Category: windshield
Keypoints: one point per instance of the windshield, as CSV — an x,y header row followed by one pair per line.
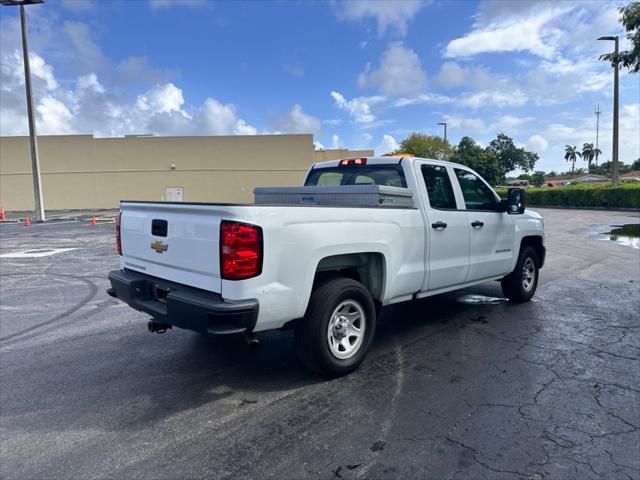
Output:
x,y
390,175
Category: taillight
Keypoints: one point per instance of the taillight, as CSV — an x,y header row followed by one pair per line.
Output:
x,y
353,161
118,241
240,250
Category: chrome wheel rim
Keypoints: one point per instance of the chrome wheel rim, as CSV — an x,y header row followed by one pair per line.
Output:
x,y
528,274
346,329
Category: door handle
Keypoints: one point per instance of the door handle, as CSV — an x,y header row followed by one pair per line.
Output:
x,y
439,225
477,224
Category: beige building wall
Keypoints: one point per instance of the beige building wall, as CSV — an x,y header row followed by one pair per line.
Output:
x,y
83,172
335,154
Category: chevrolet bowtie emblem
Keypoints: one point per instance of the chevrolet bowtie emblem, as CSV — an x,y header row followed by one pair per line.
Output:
x,y
159,246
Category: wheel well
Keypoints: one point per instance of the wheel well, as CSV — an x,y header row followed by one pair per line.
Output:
x,y
366,268
536,243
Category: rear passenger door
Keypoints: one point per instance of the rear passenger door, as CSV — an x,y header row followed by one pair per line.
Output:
x,y
447,229
491,231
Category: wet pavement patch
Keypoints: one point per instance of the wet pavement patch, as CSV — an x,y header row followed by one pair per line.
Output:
x,y
627,235
480,300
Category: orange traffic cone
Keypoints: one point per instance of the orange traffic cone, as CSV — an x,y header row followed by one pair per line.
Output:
x,y
27,222
2,215
93,221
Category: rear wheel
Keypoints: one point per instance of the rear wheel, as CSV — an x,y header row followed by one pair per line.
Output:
x,y
520,285
337,329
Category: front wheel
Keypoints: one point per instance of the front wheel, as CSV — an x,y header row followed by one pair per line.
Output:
x,y
520,285
335,334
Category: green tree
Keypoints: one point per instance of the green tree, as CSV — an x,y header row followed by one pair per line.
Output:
x,y
480,159
606,168
570,155
537,179
589,153
630,19
635,165
510,157
425,146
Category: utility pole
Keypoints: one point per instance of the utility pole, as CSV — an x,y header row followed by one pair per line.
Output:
x,y
614,150
597,112
35,162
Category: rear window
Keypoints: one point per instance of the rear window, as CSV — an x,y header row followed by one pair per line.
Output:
x,y
390,175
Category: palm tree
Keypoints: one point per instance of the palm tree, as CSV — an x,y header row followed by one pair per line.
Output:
x,y
596,153
570,155
588,154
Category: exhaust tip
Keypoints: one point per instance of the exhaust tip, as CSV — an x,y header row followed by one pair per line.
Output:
x,y
156,327
252,340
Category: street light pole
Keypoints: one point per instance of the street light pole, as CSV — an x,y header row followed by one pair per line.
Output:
x,y
35,162
444,124
614,153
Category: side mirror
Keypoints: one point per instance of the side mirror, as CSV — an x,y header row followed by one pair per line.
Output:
x,y
515,201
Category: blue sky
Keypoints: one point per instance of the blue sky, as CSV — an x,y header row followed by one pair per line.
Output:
x,y
360,74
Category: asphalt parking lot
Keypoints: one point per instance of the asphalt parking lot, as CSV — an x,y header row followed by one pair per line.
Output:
x,y
462,385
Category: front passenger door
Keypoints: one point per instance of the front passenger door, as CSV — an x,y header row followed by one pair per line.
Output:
x,y
492,231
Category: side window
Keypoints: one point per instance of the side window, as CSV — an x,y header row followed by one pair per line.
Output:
x,y
436,179
329,179
477,195
364,180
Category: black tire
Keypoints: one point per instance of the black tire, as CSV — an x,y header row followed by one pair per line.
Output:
x,y
514,286
312,332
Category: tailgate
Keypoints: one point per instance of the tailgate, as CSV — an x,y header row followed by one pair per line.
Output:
x,y
176,242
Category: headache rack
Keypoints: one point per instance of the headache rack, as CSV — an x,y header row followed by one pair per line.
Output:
x,y
340,196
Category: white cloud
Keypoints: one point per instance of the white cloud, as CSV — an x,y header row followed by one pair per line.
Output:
x,y
425,98
78,5
296,121
393,15
89,107
88,55
335,141
387,145
513,34
452,75
318,146
359,108
494,99
333,121
510,122
90,82
537,143
400,72
136,70
54,117
216,118
463,123
161,99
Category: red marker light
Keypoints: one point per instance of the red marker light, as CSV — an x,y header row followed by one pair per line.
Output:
x,y
353,161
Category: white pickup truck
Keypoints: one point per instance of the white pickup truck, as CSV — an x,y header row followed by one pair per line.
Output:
x,y
326,269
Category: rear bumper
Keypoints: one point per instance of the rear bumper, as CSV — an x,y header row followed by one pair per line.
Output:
x,y
182,306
